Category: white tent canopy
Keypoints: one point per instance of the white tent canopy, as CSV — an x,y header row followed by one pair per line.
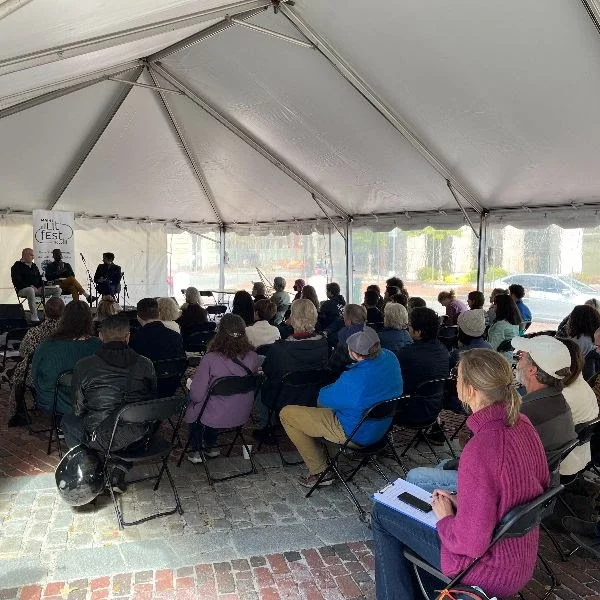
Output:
x,y
378,108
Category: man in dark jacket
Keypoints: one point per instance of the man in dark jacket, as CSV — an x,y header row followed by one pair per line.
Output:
x,y
157,342
108,276
61,273
104,383
355,317
330,319
27,280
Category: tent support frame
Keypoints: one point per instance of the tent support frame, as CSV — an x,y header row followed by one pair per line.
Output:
x,y
462,208
222,257
101,42
349,262
593,9
64,91
481,251
215,29
188,152
90,143
248,138
274,34
10,6
363,88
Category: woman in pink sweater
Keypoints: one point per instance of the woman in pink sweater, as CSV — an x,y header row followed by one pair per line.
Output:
x,y
502,466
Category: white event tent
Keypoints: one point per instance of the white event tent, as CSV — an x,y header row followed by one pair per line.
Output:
x,y
147,116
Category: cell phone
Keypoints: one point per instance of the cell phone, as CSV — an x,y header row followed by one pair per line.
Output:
x,y
415,502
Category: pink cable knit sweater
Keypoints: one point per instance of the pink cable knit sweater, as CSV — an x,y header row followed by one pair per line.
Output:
x,y
501,467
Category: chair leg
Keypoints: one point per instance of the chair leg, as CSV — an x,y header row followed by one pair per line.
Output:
x,y
423,437
321,477
560,551
175,493
361,464
566,505
362,514
118,514
457,430
395,454
378,468
185,449
411,443
554,579
447,441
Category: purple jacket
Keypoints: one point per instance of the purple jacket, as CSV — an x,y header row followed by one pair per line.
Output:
x,y
222,411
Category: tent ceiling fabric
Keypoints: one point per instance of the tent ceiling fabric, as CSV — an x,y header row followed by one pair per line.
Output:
x,y
504,94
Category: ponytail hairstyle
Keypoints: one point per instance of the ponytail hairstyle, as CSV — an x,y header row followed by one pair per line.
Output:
x,y
490,374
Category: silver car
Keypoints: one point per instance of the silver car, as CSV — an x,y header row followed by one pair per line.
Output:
x,y
549,297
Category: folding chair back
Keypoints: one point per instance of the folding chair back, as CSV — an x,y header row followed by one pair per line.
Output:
x,y
263,349
559,455
215,311
302,387
231,386
424,405
198,341
169,373
449,336
585,431
148,411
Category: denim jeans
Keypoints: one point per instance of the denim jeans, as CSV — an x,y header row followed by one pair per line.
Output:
x,y
433,478
202,436
394,532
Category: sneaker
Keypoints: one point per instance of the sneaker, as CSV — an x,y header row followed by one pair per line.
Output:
x,y
211,452
310,480
195,457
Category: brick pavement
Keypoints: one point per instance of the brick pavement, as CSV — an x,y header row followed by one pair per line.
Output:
x,y
257,539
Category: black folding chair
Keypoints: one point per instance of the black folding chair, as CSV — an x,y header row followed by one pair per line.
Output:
x,y
505,346
419,411
263,349
228,386
366,455
40,300
586,433
156,451
63,382
14,337
198,341
305,383
517,522
169,376
449,336
216,311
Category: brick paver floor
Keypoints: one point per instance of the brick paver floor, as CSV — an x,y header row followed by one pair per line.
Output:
x,y
254,538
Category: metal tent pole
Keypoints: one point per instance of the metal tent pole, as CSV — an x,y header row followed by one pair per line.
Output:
x,y
10,6
346,70
349,263
222,257
482,252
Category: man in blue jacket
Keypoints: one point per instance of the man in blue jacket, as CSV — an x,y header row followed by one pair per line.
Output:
x,y
374,377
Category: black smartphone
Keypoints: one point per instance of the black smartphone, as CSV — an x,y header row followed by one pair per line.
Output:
x,y
415,502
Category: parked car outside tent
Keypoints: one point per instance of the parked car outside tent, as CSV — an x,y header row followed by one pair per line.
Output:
x,y
550,297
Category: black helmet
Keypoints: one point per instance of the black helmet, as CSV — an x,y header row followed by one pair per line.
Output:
x,y
79,476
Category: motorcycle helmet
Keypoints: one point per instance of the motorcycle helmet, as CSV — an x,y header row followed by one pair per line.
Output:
x,y
79,476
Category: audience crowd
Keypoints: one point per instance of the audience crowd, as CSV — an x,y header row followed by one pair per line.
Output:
x,y
523,408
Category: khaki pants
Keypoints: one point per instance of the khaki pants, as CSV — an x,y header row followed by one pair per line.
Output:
x,y
304,425
70,285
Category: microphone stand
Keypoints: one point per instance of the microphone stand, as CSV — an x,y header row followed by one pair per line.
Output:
x,y
89,275
125,294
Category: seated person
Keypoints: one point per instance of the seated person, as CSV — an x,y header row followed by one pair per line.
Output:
x,y
169,312
475,300
156,342
299,285
107,307
192,296
426,358
374,315
583,322
395,282
330,314
506,323
259,291
502,466
71,341
309,293
262,332
471,327
517,293
108,276
281,299
415,302
380,301
243,306
229,354
355,316
453,307
103,383
543,363
61,273
301,351
21,376
194,318
394,334
27,282
375,377
490,315
584,408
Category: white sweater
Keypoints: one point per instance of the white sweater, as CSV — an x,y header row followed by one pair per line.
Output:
x,y
584,407
262,333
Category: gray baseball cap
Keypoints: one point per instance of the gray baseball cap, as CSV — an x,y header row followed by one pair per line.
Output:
x,y
362,341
